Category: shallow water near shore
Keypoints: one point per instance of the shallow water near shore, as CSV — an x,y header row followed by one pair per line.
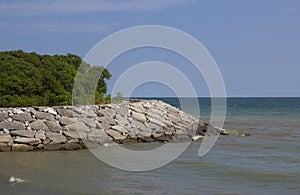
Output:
x,y
267,162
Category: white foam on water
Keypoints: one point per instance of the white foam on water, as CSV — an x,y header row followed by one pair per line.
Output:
x,y
15,180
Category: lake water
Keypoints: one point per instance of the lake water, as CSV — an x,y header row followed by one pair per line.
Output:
x,y
267,162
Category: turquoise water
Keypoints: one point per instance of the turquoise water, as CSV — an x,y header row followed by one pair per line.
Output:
x,y
267,162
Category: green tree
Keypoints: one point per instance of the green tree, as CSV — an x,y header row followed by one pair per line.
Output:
x,y
30,79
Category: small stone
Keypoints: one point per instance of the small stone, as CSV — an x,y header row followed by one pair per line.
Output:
x,y
4,147
17,111
169,132
50,111
5,131
158,134
40,146
21,147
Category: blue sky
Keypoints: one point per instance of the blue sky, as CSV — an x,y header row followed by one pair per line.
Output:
x,y
256,44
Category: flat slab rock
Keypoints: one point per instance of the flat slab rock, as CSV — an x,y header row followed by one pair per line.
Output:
x,y
11,125
28,141
23,133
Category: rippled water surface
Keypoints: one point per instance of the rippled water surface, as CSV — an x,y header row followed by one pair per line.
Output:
x,y
267,162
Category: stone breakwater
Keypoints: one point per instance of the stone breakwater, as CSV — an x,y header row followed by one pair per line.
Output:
x,y
75,127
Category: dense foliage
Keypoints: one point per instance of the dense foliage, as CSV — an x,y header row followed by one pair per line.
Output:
x,y
30,79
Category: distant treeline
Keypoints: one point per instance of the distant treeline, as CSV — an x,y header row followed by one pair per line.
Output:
x,y
31,79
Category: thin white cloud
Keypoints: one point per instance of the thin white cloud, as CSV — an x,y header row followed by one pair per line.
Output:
x,y
49,7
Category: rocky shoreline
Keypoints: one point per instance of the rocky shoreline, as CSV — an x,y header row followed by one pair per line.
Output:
x,y
76,127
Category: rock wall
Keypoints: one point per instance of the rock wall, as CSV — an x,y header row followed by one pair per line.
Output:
x,y
74,127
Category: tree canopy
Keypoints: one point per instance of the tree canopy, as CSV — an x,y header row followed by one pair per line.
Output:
x,y
31,79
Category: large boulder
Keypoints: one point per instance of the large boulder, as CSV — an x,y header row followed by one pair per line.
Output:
x,y
98,136
22,117
6,138
67,121
139,116
12,125
38,125
117,136
43,115
79,126
23,133
72,146
66,112
21,147
53,126
55,137
53,146
72,134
